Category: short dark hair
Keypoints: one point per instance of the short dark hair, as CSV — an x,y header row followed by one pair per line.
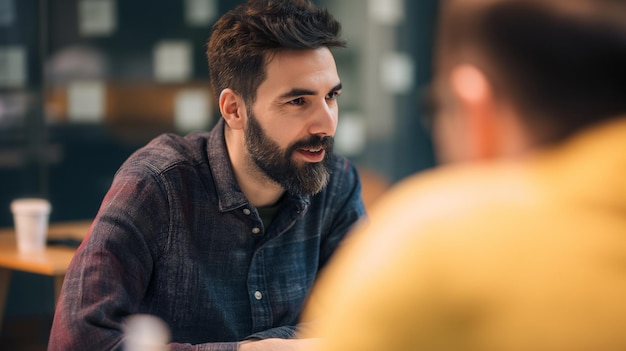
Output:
x,y
246,37
561,63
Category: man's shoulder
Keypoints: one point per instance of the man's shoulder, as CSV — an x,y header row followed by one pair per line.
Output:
x,y
454,210
168,150
340,163
454,194
343,173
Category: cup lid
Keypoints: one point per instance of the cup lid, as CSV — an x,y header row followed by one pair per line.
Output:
x,y
30,205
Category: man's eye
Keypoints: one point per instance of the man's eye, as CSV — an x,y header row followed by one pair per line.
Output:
x,y
333,95
298,101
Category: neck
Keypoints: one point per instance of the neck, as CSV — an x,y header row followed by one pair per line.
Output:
x,y
515,137
256,186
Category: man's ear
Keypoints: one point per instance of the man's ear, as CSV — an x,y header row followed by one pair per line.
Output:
x,y
474,93
232,108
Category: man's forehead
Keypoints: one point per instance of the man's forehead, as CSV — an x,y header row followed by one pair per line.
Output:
x,y
301,69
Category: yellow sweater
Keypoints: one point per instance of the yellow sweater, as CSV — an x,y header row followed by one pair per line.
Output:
x,y
528,254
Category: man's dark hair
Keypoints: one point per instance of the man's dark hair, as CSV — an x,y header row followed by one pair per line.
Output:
x,y
561,63
245,38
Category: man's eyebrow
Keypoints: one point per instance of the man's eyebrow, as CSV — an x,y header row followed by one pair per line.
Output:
x,y
295,92
336,87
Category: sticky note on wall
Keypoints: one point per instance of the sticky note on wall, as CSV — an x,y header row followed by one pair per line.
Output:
x,y
200,13
97,17
386,12
13,72
396,72
192,110
86,101
351,135
173,61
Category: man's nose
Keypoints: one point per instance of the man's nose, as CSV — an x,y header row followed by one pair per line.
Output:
x,y
324,120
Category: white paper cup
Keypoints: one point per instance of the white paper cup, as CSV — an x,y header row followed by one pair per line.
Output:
x,y
30,216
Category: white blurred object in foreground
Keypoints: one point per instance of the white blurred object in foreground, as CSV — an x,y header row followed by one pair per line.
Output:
x,y
143,332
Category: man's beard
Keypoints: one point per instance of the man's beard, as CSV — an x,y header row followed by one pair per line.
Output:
x,y
278,165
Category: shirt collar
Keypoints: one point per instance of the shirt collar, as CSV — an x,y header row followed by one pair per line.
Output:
x,y
229,193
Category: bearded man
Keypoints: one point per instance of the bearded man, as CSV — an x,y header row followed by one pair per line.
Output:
x,y
221,234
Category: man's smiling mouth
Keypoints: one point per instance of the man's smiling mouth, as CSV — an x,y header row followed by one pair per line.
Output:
x,y
312,154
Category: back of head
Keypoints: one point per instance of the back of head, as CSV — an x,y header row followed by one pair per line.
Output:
x,y
244,38
560,63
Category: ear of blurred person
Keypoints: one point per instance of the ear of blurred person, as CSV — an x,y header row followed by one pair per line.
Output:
x,y
517,241
477,125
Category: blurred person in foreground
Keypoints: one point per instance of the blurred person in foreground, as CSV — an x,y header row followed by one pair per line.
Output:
x,y
519,242
221,234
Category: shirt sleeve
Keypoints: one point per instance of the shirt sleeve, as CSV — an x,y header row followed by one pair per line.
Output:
x,y
215,346
110,271
285,332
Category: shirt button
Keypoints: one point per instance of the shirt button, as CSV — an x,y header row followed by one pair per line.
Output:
x,y
246,211
256,230
258,295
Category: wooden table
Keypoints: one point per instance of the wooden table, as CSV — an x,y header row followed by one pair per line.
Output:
x,y
53,261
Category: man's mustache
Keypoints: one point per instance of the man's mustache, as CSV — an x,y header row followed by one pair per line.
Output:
x,y
313,142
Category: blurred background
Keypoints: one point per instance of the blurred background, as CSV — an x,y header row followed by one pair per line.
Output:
x,y
84,83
